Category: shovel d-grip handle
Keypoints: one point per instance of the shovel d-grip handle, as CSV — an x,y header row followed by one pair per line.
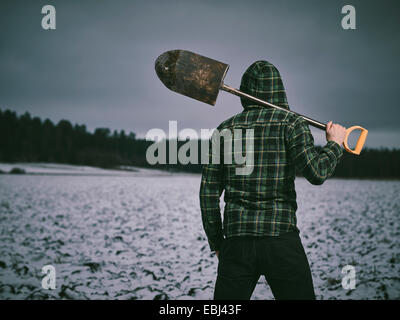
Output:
x,y
360,141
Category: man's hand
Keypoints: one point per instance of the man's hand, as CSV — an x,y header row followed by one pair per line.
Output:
x,y
335,132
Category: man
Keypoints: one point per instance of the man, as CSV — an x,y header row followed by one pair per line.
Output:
x,y
259,234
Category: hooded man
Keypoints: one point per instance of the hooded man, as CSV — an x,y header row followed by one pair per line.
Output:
x,y
259,235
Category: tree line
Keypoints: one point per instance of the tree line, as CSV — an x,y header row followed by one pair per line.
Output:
x,y
25,138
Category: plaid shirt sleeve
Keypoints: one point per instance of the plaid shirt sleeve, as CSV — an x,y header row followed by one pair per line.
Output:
x,y
210,192
315,166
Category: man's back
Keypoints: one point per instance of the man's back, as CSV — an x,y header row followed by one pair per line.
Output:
x,y
262,202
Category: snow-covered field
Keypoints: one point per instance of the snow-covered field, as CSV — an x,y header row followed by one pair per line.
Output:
x,y
68,169
138,235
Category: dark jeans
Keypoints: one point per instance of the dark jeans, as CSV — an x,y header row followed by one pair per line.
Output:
x,y
281,259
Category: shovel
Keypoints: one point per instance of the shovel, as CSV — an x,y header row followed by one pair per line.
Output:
x,y
201,78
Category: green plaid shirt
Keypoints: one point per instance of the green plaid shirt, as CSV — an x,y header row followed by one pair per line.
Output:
x,y
262,203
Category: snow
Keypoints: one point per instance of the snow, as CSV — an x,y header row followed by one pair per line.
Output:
x,y
137,234
68,169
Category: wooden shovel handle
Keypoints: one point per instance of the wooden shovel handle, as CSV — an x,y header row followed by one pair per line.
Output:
x,y
360,141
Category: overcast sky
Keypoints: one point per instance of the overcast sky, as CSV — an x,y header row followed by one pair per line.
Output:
x,y
97,67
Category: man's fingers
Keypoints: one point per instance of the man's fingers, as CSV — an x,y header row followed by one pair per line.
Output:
x,y
329,126
338,126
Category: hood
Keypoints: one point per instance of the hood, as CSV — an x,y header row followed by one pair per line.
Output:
x,y
262,80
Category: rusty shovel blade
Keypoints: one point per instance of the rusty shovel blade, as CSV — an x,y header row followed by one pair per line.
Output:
x,y
191,74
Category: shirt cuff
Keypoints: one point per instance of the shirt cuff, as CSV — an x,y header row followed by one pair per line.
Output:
x,y
335,148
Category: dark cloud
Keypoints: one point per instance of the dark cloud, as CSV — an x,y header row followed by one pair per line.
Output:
x,y
97,67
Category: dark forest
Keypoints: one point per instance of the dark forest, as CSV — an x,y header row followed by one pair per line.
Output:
x,y
30,139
